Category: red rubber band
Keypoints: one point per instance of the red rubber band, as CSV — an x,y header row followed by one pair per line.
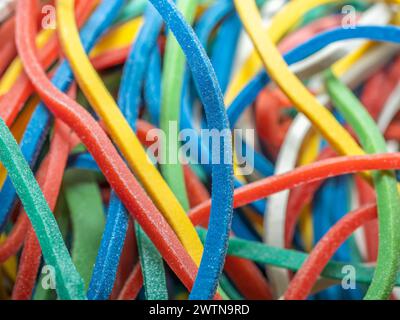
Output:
x,y
305,278
13,101
300,176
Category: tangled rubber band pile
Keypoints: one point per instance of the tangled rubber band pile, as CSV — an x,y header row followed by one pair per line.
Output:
x,y
86,214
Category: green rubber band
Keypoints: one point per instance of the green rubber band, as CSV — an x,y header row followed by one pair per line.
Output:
x,y
68,281
62,218
154,281
388,201
291,259
172,83
86,209
132,10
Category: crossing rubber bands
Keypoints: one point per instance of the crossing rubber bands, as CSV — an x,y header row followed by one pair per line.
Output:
x,y
385,185
105,261
104,153
222,176
124,137
302,99
69,282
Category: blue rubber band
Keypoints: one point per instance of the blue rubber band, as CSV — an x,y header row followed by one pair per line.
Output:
x,y
112,242
223,51
248,95
152,87
136,65
215,247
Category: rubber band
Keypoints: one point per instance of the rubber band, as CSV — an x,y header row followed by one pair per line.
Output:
x,y
132,79
171,91
132,285
341,231
86,210
18,129
132,10
152,87
117,38
8,50
105,268
62,217
152,268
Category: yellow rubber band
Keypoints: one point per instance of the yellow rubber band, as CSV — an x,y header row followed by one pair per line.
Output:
x,y
303,100
282,22
119,37
308,155
344,64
